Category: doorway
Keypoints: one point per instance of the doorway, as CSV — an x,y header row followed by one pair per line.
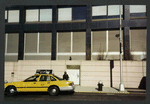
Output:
x,y
73,75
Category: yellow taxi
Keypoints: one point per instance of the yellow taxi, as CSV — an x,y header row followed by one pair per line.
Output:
x,y
40,83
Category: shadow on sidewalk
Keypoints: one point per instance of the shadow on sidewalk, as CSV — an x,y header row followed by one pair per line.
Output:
x,y
115,88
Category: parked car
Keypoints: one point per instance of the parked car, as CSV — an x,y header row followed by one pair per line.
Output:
x,y
40,83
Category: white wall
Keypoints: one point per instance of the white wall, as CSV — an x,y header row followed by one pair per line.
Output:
x,y
90,71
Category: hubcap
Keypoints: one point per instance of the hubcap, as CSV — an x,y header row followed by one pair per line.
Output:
x,y
53,90
12,90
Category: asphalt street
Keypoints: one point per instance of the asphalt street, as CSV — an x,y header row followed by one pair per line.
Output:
x,y
77,96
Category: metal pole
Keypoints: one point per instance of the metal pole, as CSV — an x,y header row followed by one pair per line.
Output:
x,y
121,48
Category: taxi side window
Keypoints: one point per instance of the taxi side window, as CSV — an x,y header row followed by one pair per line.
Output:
x,y
52,78
44,78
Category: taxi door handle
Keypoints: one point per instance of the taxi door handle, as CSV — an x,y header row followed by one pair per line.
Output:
x,y
42,84
34,83
48,82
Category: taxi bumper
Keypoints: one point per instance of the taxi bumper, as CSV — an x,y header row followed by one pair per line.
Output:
x,y
67,88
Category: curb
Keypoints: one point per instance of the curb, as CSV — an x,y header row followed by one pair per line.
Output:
x,y
105,92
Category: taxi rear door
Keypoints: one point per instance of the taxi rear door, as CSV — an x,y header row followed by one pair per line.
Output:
x,y
45,82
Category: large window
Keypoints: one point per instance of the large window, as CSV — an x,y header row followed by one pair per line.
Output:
x,y
114,12
99,12
138,40
105,45
138,43
71,44
38,46
106,12
32,15
79,13
38,15
113,41
45,14
64,42
71,14
11,46
13,16
64,14
137,11
99,41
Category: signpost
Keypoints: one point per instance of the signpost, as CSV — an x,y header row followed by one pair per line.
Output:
x,y
121,87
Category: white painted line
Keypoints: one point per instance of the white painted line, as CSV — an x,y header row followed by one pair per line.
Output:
x,y
24,45
71,53
138,53
71,42
117,53
91,44
11,54
57,47
105,53
37,54
38,39
6,43
106,40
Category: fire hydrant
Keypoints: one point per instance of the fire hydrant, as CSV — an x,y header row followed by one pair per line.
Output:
x,y
100,85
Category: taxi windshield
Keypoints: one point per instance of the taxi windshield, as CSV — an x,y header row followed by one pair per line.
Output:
x,y
32,78
58,77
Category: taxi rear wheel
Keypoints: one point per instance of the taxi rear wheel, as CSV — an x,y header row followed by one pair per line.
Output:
x,y
53,91
11,90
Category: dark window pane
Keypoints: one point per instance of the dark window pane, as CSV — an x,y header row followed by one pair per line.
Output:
x,y
79,13
12,43
44,78
138,40
79,40
64,42
31,43
45,42
113,41
53,79
32,79
99,41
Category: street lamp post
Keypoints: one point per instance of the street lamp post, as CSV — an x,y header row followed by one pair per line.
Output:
x,y
121,86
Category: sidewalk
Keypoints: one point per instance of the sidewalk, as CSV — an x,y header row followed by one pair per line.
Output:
x,y
95,90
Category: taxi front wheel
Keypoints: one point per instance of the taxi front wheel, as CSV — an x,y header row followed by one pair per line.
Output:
x,y
53,91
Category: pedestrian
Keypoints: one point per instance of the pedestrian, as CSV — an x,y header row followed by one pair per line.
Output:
x,y
65,76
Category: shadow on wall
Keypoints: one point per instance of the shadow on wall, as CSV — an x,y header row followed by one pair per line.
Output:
x,y
143,83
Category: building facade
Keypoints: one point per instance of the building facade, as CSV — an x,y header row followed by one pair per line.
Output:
x,y
82,33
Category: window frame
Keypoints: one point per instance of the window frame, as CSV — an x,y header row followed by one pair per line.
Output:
x,y
9,17
59,16
71,53
39,14
38,53
6,44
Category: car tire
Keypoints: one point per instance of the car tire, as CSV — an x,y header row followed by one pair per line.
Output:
x,y
11,91
53,91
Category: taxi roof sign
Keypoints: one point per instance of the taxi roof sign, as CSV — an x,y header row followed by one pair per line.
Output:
x,y
44,71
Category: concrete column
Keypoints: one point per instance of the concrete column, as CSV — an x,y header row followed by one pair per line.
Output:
x,y
21,33
54,32
88,32
126,34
